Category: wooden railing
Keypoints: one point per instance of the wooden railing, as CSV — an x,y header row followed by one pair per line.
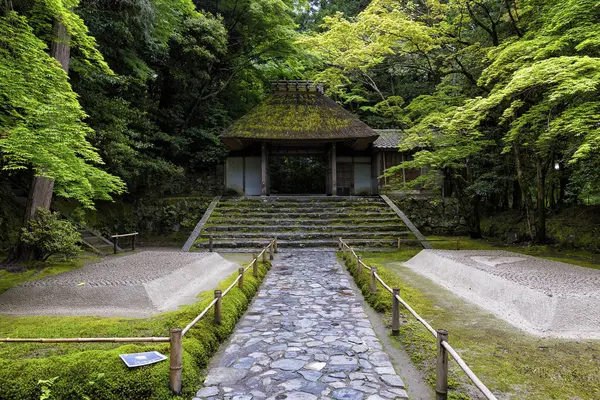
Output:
x,y
177,334
115,239
443,347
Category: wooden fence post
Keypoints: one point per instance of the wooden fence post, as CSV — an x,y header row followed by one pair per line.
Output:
x,y
133,242
340,244
218,304
395,312
275,242
241,280
264,257
441,376
176,360
373,280
358,266
255,265
271,251
115,247
344,253
210,240
399,243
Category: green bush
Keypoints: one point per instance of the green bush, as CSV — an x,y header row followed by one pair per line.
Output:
x,y
47,235
95,371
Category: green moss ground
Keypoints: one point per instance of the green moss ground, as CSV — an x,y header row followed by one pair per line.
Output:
x,y
518,365
95,371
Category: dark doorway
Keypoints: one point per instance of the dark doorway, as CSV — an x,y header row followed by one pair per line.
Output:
x,y
298,174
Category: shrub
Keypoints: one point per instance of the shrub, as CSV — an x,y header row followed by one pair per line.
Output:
x,y
47,235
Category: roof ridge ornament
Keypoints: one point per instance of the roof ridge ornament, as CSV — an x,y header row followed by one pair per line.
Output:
x,y
295,85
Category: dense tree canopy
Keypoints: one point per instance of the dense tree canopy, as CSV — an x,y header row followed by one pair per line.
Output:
x,y
498,98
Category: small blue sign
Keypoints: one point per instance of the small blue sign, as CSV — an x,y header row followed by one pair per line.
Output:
x,y
140,359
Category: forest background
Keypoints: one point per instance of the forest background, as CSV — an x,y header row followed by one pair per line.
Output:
x,y
114,103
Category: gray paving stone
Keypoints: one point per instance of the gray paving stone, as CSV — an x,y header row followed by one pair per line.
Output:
x,y
305,337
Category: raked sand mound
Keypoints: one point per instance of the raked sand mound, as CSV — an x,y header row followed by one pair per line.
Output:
x,y
137,285
542,297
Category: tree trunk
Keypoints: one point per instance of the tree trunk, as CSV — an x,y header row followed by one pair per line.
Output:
x,y
517,196
540,232
40,193
527,201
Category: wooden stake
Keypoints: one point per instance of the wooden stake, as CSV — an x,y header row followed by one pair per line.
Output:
x,y
264,257
441,375
176,360
395,312
218,304
275,243
373,280
241,280
340,245
255,265
358,267
115,247
271,251
133,243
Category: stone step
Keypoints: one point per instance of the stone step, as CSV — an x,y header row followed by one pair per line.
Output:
x,y
302,199
301,209
303,221
258,244
331,215
397,227
303,235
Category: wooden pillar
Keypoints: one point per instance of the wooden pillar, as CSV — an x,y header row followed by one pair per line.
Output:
x,y
395,312
441,375
218,306
264,166
176,360
333,169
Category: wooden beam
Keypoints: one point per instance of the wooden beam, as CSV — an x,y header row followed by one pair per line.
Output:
x,y
264,169
333,169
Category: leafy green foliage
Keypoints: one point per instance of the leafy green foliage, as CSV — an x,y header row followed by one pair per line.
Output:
x,y
47,234
41,122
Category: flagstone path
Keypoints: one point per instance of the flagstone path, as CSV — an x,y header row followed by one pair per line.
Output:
x,y
305,337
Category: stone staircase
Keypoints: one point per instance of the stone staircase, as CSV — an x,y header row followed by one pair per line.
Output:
x,y
302,222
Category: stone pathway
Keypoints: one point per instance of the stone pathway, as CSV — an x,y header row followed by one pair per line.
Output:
x,y
306,336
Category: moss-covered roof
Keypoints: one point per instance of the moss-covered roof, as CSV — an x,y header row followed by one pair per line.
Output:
x,y
298,115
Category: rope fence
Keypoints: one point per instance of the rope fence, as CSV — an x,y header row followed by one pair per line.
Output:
x,y
443,347
176,334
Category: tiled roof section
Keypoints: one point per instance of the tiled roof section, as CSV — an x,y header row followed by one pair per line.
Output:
x,y
293,115
388,138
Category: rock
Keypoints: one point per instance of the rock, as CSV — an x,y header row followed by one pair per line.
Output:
x,y
392,380
208,391
288,364
223,375
347,394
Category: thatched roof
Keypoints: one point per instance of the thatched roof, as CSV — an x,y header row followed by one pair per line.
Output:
x,y
299,114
